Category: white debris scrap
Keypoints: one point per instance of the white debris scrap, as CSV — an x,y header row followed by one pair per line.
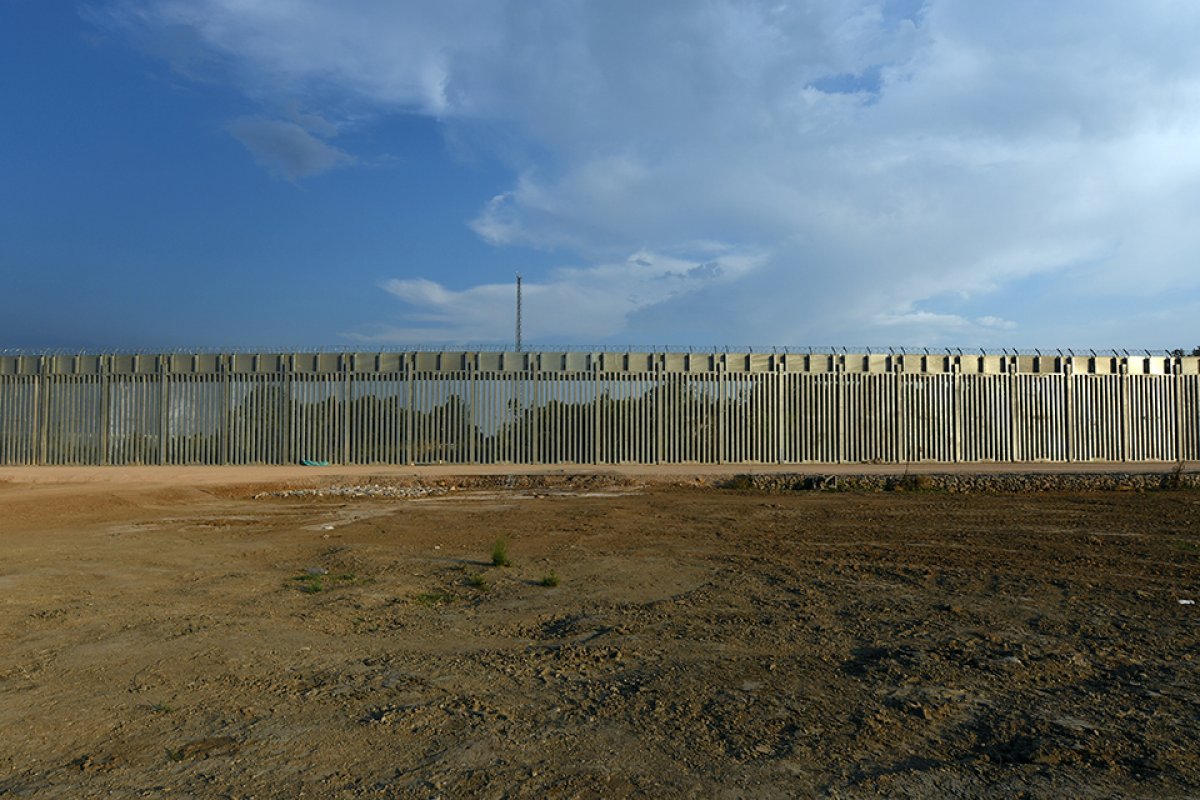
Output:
x,y
370,490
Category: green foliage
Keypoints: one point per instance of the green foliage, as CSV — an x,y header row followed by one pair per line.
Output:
x,y
310,584
477,581
500,553
313,584
740,483
912,483
1174,478
436,598
550,580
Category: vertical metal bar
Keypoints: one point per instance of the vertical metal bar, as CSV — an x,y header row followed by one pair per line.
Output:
x,y
1125,415
42,431
780,415
347,381
597,455
164,406
1014,390
472,428
658,387
535,413
409,375
1177,388
105,364
956,408
1069,391
840,377
722,420
225,410
289,408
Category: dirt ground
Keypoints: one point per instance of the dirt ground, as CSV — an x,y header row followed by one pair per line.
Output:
x,y
173,640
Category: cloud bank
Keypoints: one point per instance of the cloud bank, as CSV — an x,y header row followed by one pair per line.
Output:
x,y
572,303
939,172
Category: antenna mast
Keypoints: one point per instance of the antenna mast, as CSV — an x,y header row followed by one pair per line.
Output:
x,y
518,312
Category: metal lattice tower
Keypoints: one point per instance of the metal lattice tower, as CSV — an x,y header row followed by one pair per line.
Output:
x,y
518,312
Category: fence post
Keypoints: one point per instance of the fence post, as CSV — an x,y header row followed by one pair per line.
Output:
x,y
839,371
1177,386
41,431
1125,421
897,378
721,428
658,409
471,366
780,411
105,366
409,374
164,426
347,388
224,367
597,457
536,417
1069,394
956,388
282,435
1016,452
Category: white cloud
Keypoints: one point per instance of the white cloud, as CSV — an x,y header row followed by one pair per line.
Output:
x,y
590,302
960,149
996,322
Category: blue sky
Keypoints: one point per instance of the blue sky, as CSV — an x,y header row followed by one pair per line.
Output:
x,y
289,173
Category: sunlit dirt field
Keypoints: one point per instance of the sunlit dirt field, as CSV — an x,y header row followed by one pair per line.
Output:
x,y
647,640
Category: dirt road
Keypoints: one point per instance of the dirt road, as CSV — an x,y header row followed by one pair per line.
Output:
x,y
166,639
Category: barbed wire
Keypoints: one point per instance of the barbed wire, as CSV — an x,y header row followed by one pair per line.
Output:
x,y
595,348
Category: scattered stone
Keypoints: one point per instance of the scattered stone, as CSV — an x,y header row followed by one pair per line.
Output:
x,y
960,483
368,490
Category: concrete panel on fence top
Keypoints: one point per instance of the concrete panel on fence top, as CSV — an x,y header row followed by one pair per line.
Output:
x,y
427,362
578,362
18,365
206,363
759,362
390,362
552,361
675,362
513,362
992,365
635,362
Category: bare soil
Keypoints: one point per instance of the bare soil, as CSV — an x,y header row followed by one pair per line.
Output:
x,y
171,640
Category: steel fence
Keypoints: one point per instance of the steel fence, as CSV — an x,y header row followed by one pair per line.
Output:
x,y
601,408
